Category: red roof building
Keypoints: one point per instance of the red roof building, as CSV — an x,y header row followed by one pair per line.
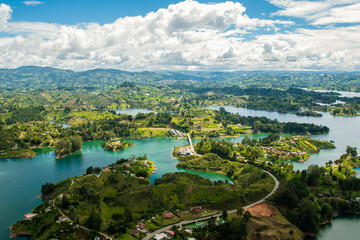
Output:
x,y
141,225
29,216
196,209
168,215
169,233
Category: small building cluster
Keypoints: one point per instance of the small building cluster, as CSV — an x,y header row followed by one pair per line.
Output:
x,y
167,234
184,151
62,218
30,216
141,227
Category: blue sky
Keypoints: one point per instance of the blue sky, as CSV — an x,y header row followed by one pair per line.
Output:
x,y
181,35
106,11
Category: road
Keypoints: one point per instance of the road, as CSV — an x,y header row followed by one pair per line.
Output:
x,y
277,184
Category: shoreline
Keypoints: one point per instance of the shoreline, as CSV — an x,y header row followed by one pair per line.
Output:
x,y
21,155
15,235
62,156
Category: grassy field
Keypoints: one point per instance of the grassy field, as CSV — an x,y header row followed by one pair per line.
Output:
x,y
187,215
272,227
21,153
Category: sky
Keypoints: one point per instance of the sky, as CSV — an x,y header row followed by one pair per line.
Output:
x,y
144,35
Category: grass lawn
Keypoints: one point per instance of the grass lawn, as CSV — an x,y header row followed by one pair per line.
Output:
x,y
126,236
152,132
160,222
187,215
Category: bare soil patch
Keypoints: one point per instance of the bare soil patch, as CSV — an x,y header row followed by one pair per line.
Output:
x,y
262,210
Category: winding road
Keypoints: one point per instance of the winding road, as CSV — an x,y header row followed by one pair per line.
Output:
x,y
277,184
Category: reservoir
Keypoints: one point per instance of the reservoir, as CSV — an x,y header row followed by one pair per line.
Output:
x,y
344,131
21,179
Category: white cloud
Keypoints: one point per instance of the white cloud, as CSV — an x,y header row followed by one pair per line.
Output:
x,y
5,15
185,36
344,14
32,3
323,49
320,12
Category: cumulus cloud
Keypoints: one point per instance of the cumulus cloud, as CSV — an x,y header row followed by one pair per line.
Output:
x,y
5,15
185,36
32,3
320,49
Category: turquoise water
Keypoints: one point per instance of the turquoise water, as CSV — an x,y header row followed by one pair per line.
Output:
x,y
346,227
358,171
21,179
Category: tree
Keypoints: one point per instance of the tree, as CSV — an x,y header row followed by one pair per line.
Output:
x,y
256,127
247,216
327,211
62,147
351,151
76,143
224,214
307,215
271,138
90,170
314,175
94,221
128,215
239,211
65,203
47,188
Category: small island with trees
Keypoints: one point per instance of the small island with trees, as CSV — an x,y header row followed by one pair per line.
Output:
x,y
116,145
67,146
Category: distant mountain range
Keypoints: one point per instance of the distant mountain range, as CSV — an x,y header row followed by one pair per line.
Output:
x,y
31,77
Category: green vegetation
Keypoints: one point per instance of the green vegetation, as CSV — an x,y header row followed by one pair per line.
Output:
x,y
121,196
22,153
235,228
344,111
104,125
250,183
25,78
68,146
37,103
272,147
311,197
309,114
114,145
308,198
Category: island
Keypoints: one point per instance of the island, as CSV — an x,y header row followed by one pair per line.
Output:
x,y
116,145
67,146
